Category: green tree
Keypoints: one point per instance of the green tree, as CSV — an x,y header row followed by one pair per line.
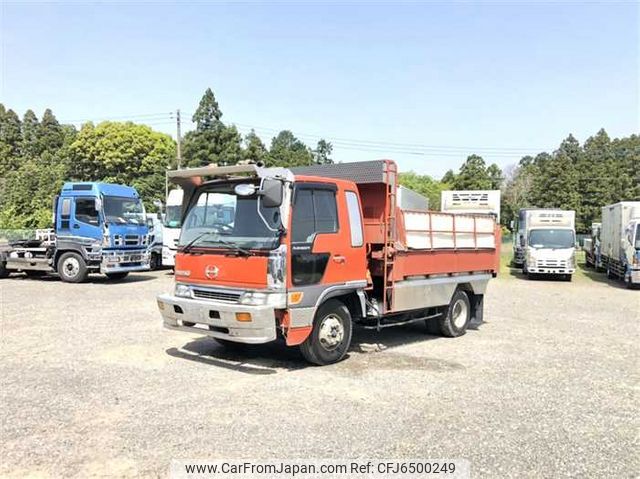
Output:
x,y
51,135
255,150
322,153
287,150
30,135
449,177
212,141
425,185
473,175
124,153
10,139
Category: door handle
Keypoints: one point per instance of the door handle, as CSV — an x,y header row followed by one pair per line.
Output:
x,y
338,258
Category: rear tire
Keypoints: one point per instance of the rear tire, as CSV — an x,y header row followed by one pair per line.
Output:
x,y
72,268
456,319
330,338
117,276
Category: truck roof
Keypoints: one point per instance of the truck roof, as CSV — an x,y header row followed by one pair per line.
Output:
x,y
97,188
360,172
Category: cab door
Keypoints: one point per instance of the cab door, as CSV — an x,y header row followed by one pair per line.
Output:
x,y
323,249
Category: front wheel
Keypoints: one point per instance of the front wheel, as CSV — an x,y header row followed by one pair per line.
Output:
x,y
4,272
330,338
155,261
117,276
455,321
72,268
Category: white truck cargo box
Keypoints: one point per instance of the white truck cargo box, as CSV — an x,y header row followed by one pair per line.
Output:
x,y
614,220
471,202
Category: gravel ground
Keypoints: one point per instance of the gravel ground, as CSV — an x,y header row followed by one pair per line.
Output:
x,y
93,385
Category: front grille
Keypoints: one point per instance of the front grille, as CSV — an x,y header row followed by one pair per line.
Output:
x,y
131,240
217,295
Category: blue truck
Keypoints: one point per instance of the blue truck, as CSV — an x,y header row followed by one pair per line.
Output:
x,y
97,227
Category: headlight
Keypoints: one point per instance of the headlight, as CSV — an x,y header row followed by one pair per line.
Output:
x,y
182,290
256,298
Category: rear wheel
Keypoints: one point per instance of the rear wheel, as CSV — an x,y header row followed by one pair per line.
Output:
x,y
72,268
330,338
117,276
458,315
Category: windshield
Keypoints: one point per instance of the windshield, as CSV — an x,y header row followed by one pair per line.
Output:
x,y
549,238
221,219
172,218
123,210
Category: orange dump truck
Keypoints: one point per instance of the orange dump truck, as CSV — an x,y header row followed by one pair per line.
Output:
x,y
306,253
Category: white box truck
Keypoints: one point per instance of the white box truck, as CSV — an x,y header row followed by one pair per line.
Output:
x,y
545,242
172,225
620,241
486,202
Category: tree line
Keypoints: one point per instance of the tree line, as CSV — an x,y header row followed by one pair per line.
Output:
x,y
38,156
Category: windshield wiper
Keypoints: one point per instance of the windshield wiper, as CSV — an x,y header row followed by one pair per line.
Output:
x,y
236,247
190,244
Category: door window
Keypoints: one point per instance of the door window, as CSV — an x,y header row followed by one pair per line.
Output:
x,y
314,211
355,219
86,211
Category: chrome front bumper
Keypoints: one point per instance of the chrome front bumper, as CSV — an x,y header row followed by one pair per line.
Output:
x,y
124,261
218,319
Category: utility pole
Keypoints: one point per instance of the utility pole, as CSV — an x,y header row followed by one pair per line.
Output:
x,y
179,150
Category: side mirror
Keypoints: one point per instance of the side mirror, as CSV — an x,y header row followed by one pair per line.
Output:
x,y
98,204
150,223
271,193
158,204
522,241
512,224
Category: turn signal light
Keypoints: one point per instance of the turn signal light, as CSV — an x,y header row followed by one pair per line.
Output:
x,y
160,305
295,297
243,317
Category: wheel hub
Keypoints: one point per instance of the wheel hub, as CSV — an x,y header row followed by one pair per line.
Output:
x,y
331,332
71,267
459,314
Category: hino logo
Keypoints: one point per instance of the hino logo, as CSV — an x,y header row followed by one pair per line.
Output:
x,y
211,272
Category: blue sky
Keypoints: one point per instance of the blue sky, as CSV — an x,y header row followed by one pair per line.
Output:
x,y
429,82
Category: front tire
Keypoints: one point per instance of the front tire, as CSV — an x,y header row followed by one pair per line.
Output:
x,y
455,321
330,337
155,262
117,276
4,272
72,268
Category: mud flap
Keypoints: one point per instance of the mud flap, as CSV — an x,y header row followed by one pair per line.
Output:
x,y
477,311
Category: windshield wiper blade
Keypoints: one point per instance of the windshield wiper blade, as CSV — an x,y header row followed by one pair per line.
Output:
x,y
236,247
191,243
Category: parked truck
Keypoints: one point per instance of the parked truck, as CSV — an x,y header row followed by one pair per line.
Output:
x,y
545,242
98,227
471,202
591,246
171,230
620,242
306,253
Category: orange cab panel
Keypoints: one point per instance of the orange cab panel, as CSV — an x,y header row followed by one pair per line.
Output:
x,y
222,270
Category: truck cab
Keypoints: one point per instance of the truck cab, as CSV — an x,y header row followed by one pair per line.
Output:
x,y
171,227
304,254
546,242
98,227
